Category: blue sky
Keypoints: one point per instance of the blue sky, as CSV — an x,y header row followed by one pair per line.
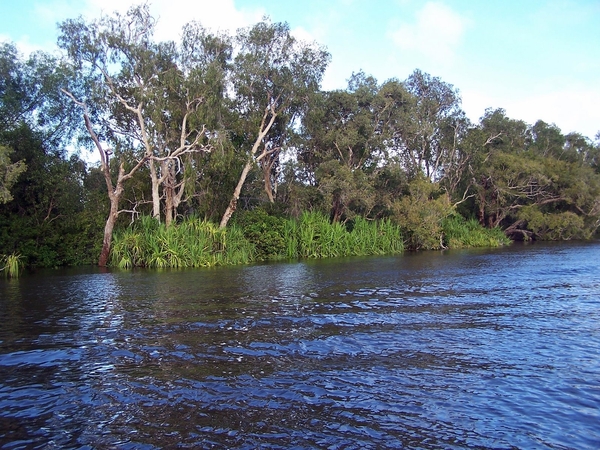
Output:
x,y
538,59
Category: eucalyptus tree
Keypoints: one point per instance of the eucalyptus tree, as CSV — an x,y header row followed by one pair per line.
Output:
x,y
431,138
9,172
30,99
273,76
546,140
41,193
532,180
349,142
144,100
30,94
578,148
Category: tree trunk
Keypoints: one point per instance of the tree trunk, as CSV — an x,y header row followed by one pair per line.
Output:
x,y
173,193
108,231
236,194
168,189
265,126
267,165
114,195
269,188
155,191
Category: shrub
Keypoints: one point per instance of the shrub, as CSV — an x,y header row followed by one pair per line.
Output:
x,y
265,232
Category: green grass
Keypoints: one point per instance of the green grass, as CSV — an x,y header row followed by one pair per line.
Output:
x,y
462,233
193,243
199,243
316,237
11,265
259,236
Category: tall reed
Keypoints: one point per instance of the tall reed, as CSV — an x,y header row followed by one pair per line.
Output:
x,y
199,243
193,243
462,233
11,265
318,238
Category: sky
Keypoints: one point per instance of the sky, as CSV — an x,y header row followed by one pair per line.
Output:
x,y
537,59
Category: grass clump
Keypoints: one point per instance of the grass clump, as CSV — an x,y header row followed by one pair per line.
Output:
x,y
192,243
316,237
259,236
459,232
11,265
254,236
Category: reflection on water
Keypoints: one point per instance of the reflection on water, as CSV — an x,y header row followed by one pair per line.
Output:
x,y
480,349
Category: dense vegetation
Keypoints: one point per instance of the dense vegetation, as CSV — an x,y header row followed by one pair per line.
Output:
x,y
224,149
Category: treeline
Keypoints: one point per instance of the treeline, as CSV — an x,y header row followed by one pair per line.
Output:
x,y
233,134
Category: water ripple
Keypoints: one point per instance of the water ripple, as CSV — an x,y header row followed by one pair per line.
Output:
x,y
423,351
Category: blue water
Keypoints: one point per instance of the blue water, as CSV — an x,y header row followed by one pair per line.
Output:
x,y
461,349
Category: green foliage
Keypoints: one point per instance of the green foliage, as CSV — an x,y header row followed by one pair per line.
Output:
x,y
215,114
421,213
47,222
319,238
192,243
9,172
459,232
375,237
11,265
265,232
256,236
349,193
558,226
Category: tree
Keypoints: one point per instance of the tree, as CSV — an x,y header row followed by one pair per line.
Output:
x,y
9,172
532,180
547,140
44,222
145,99
420,214
274,75
30,94
28,98
350,140
436,123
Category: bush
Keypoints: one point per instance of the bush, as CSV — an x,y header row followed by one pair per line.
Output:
x,y
265,232
554,226
421,213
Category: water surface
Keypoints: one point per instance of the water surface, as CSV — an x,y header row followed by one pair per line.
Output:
x,y
477,348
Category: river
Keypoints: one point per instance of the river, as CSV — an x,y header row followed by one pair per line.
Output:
x,y
494,348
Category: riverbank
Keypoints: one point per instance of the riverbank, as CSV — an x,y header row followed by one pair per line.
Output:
x,y
258,236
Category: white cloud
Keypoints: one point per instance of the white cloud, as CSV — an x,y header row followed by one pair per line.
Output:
x,y
436,32
302,34
573,109
23,45
173,14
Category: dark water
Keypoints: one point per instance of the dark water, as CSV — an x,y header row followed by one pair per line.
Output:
x,y
464,349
